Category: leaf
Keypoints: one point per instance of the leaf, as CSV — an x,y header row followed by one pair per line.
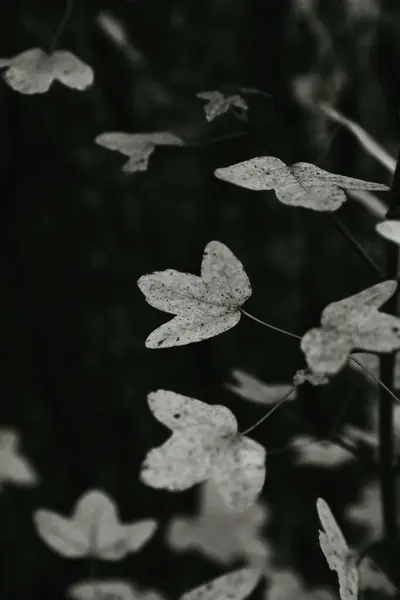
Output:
x,y
138,146
319,452
109,590
92,530
367,511
373,578
14,467
337,552
218,104
236,585
304,375
389,230
220,533
354,322
251,388
204,444
33,71
301,184
286,585
204,306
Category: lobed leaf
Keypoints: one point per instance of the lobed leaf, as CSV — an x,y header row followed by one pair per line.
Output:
x,y
236,585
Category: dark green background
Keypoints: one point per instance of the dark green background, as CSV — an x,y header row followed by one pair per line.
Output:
x,y
77,233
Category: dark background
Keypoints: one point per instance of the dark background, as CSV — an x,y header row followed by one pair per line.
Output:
x,y
77,233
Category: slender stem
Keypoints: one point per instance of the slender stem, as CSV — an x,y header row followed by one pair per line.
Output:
x,y
216,140
387,455
269,413
359,249
67,13
378,381
257,320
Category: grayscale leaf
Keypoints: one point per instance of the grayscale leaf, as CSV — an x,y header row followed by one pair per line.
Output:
x,y
304,375
354,322
373,578
319,452
389,230
236,585
220,533
137,146
14,467
109,589
204,306
337,553
250,388
92,530
206,445
218,104
286,585
301,184
33,71
367,511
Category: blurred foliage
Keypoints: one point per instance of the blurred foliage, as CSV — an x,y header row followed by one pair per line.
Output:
x,y
77,233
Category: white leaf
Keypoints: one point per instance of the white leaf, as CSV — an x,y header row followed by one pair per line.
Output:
x,y
33,71
304,375
301,184
138,146
92,530
109,590
319,452
218,104
236,585
251,388
204,445
219,532
204,306
354,322
389,230
14,467
367,511
337,552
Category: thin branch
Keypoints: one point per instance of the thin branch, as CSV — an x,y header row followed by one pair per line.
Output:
x,y
257,320
359,249
378,381
269,413
67,14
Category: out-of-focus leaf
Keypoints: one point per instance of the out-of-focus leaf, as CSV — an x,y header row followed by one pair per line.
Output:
x,y
109,590
14,467
222,534
319,452
301,184
354,322
250,388
92,530
218,104
33,71
389,230
236,585
286,585
204,306
204,444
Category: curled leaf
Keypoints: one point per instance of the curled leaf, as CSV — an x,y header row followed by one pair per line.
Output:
x,y
33,71
204,445
250,388
301,184
389,230
138,146
218,104
204,306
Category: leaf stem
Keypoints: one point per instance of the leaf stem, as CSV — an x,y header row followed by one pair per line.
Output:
x,y
67,13
378,381
269,413
257,320
340,226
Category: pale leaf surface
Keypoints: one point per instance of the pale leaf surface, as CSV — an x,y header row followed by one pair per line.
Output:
x,y
287,585
33,71
301,184
201,450
319,452
204,306
218,104
304,375
337,552
389,230
220,533
250,388
92,530
236,585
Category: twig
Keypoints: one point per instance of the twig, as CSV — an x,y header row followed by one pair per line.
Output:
x,y
257,320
